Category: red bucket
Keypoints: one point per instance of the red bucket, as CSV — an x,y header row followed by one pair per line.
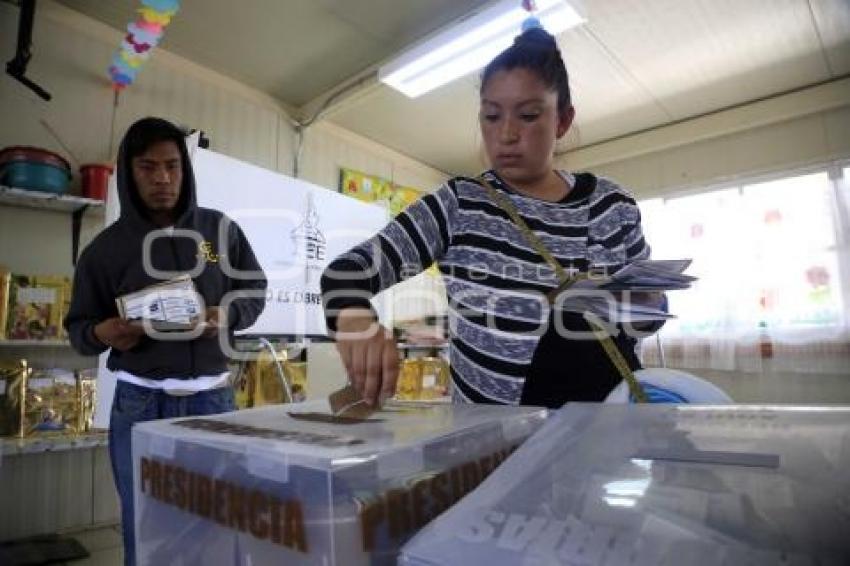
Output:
x,y
95,180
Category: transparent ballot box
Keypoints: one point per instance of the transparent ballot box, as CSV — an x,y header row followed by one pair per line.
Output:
x,y
659,485
291,484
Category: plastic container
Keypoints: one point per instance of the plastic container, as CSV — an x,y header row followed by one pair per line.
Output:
x,y
35,169
35,176
287,484
95,180
664,385
662,485
35,154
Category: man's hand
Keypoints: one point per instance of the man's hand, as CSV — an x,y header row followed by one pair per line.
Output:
x,y
369,353
118,333
216,320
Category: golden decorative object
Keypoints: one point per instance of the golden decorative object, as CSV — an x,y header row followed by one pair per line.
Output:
x,y
409,385
45,402
87,399
296,374
12,385
435,378
423,379
260,382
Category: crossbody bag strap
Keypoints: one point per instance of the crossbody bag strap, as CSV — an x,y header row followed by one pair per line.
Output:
x,y
566,281
508,206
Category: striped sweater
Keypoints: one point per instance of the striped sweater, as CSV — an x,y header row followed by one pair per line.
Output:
x,y
495,281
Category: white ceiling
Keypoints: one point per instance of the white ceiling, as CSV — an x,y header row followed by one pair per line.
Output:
x,y
633,66
292,49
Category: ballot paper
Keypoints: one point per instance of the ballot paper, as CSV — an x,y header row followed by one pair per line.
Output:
x,y
346,407
172,305
348,402
618,297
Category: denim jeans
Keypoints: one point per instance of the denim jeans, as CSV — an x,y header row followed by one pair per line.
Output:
x,y
134,404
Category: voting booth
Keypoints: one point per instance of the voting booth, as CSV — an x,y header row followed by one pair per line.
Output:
x,y
291,484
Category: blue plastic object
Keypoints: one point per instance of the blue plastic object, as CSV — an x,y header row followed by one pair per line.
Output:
x,y
35,176
531,22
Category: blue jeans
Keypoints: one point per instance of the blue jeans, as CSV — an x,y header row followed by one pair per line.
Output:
x,y
135,404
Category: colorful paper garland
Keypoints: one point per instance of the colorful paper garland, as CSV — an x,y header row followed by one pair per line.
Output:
x,y
142,36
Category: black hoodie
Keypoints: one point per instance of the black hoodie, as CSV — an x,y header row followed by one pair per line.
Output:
x,y
111,266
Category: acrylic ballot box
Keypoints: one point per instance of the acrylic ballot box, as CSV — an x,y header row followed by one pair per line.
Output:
x,y
288,484
659,485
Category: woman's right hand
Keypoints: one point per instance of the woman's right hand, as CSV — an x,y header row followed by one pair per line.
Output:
x,y
118,333
369,354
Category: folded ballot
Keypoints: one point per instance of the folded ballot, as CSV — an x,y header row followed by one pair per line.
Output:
x,y
172,305
621,297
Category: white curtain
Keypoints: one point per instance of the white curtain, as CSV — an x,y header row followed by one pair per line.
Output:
x,y
774,269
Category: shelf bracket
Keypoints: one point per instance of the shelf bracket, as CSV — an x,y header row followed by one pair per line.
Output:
x,y
76,224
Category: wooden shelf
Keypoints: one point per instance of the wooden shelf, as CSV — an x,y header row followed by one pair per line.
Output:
x,y
35,343
10,446
48,201
38,200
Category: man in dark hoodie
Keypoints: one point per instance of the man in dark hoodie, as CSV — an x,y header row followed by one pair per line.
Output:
x,y
161,378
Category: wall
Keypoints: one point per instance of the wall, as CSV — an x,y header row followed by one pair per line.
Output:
x,y
327,147
52,491
800,129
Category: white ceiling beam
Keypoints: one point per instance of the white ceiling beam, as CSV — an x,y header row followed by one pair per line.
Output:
x,y
823,97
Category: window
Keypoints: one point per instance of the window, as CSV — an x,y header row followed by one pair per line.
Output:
x,y
772,263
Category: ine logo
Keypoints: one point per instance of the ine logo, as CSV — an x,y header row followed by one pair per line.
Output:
x,y
309,242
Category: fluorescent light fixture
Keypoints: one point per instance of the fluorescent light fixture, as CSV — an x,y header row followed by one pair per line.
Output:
x,y
470,45
620,501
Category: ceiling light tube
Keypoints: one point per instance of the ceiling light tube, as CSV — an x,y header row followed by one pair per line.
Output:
x,y
470,44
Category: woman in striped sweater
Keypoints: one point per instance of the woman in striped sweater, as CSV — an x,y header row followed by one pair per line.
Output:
x,y
504,347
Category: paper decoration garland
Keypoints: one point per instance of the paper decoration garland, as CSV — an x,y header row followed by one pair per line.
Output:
x,y
142,36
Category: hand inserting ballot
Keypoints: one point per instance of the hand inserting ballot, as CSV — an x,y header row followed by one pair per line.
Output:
x,y
369,354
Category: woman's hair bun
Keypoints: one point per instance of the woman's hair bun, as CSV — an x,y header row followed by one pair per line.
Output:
x,y
536,37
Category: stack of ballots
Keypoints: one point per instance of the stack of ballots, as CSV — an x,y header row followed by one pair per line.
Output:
x,y
299,484
616,298
660,485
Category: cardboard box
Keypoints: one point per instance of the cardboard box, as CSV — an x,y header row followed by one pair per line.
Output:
x,y
289,484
